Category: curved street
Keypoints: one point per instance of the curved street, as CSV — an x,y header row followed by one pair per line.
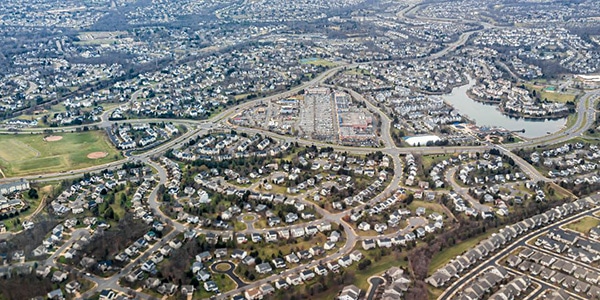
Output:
x,y
229,272
585,112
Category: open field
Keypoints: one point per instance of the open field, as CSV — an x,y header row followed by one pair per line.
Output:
x,y
551,95
31,154
430,160
583,225
433,293
429,207
299,244
379,264
318,62
443,257
99,37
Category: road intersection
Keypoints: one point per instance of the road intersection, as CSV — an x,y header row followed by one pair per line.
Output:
x,y
584,121
585,112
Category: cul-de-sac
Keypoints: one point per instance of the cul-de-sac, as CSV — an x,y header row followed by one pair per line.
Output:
x,y
289,150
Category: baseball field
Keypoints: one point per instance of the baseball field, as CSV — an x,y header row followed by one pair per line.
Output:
x,y
26,154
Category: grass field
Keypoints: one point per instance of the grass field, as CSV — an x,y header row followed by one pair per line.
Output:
x,y
377,267
443,257
516,139
429,207
239,226
298,244
319,62
241,96
548,93
99,37
433,293
30,154
583,225
430,160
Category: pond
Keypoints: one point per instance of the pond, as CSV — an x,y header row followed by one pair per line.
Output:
x,y
490,115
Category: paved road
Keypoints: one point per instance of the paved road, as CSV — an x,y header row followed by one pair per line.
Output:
x,y
586,115
462,191
585,118
240,283
374,283
581,125
75,235
459,284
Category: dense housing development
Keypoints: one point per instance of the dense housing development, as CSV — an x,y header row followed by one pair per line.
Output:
x,y
310,149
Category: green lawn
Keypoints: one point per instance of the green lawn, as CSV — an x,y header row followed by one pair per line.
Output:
x,y
358,71
516,139
558,97
430,160
433,293
441,258
116,207
548,93
270,249
96,42
583,225
30,154
248,218
239,226
376,267
319,62
224,283
429,207
329,294
240,96
260,224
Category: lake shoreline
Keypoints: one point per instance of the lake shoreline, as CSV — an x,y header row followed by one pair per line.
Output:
x,y
490,115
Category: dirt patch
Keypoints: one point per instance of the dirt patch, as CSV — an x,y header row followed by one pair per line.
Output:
x,y
46,189
96,155
53,138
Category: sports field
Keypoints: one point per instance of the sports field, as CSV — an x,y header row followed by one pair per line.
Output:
x,y
25,154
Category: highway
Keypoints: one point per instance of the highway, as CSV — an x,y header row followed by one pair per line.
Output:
x,y
586,115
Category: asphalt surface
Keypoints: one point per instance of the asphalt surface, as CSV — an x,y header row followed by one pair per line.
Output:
x,y
462,191
585,117
375,282
459,284
230,273
583,122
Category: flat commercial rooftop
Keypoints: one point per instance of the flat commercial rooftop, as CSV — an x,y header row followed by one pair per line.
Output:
x,y
421,140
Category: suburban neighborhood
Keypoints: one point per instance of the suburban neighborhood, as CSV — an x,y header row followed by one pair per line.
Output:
x,y
299,150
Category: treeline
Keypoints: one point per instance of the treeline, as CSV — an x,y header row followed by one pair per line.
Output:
x,y
420,258
177,268
25,287
580,189
104,245
28,240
